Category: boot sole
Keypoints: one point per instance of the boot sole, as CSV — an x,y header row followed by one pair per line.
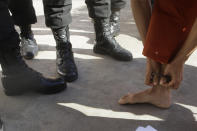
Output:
x,y
104,52
11,90
66,78
29,56
52,91
12,93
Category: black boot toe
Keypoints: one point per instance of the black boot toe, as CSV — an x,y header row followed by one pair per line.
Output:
x,y
52,86
106,44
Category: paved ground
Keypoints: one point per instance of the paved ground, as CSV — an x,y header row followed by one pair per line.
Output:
x,y
90,103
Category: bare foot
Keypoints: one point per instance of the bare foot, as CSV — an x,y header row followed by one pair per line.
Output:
x,y
158,96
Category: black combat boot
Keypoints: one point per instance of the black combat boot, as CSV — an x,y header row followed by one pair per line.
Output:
x,y
66,66
115,23
106,43
18,78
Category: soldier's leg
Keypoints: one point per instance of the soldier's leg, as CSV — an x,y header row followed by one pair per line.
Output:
x,y
8,36
116,6
17,76
58,18
99,8
23,14
57,13
100,11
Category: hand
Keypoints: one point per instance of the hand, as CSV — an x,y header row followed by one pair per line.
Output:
x,y
174,70
153,70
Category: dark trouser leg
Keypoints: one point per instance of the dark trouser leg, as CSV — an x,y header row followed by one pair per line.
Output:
x,y
17,76
23,14
57,13
117,5
58,17
99,8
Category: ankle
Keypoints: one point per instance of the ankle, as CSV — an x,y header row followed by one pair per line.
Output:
x,y
61,34
26,31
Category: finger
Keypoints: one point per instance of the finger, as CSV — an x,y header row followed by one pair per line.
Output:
x,y
156,79
176,86
169,84
166,73
163,80
149,82
181,75
149,79
177,83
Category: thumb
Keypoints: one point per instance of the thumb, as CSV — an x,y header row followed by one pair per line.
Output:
x,y
166,72
149,79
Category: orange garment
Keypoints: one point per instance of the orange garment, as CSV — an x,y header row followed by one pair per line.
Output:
x,y
170,24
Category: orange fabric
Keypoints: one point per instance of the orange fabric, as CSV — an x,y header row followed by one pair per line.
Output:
x,y
170,24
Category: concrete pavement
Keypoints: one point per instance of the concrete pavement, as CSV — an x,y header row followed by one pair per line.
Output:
x,y
90,103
